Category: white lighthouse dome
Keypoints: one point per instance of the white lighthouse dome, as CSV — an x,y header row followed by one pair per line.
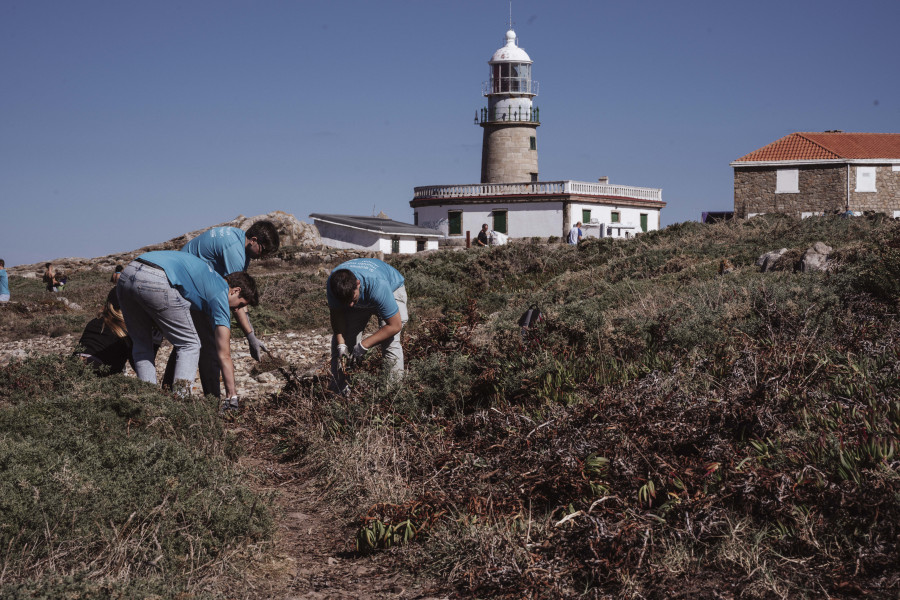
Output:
x,y
510,52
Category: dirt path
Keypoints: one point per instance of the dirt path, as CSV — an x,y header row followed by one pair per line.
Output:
x,y
314,556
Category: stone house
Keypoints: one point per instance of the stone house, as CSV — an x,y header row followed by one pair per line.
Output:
x,y
375,234
806,174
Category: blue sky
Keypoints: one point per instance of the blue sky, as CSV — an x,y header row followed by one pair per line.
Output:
x,y
126,123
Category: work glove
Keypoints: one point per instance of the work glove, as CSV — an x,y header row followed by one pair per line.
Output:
x,y
255,345
229,406
359,352
343,351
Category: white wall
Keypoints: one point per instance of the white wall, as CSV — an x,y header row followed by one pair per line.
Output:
x,y
531,219
336,236
536,219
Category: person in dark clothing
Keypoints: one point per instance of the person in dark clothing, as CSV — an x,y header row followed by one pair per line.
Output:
x,y
482,239
105,344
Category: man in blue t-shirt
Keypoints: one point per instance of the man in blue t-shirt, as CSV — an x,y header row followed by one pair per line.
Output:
x,y
356,290
163,289
4,282
227,250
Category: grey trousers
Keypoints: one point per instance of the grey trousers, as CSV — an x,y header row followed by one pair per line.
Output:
x,y
356,320
210,369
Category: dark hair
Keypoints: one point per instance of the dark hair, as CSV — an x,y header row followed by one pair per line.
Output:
x,y
266,234
119,268
240,279
343,285
2,263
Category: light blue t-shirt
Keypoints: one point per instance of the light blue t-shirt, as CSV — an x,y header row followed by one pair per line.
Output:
x,y
222,247
377,282
195,280
4,283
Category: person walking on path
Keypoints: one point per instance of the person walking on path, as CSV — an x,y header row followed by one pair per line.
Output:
x,y
356,290
162,289
576,234
227,250
4,282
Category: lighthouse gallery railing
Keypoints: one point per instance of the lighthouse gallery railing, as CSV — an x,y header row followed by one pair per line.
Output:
x,y
537,188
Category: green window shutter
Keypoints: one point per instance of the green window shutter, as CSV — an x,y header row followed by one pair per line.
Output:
x,y
614,217
643,221
499,217
585,215
395,246
455,219
533,141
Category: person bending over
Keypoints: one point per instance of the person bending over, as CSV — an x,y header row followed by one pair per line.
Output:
x,y
227,250
356,290
162,288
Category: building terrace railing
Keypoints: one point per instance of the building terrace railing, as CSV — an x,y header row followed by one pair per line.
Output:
x,y
537,188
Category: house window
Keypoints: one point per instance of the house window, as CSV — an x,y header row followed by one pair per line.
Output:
x,y
499,217
585,215
533,143
615,217
787,181
454,217
420,245
416,218
643,221
865,179
395,245
533,177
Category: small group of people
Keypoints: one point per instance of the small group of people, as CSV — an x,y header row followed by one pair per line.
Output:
x,y
188,297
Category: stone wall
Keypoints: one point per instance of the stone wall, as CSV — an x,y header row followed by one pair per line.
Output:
x,y
506,154
821,189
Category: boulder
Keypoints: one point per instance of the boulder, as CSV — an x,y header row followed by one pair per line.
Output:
x,y
767,261
816,258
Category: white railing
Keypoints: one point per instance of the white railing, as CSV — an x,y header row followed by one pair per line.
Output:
x,y
537,188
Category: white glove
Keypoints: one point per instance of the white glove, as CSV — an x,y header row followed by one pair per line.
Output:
x,y
343,351
359,352
255,345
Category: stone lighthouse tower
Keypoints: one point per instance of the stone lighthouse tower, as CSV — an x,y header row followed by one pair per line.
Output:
x,y
510,122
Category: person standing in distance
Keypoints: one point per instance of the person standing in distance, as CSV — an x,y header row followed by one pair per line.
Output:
x,y
482,239
164,289
4,282
576,234
227,250
356,290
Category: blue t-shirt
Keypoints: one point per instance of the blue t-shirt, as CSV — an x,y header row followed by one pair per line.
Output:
x,y
4,283
195,280
377,282
222,247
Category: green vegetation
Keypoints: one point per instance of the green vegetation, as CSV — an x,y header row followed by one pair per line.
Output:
x,y
665,428
110,488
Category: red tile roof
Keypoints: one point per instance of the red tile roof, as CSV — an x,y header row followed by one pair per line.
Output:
x,y
828,145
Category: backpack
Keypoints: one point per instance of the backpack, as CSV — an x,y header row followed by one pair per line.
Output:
x,y
530,317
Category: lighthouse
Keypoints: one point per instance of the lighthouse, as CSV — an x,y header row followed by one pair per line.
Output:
x,y
510,121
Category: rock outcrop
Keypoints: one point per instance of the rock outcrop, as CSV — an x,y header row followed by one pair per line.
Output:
x,y
292,231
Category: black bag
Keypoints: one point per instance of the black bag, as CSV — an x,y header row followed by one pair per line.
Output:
x,y
530,317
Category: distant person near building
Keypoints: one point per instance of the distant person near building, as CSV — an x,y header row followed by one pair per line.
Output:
x,y
576,234
163,289
4,282
356,290
227,250
104,344
482,239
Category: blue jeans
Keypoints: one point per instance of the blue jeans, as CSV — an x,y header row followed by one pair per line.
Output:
x,y
147,299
